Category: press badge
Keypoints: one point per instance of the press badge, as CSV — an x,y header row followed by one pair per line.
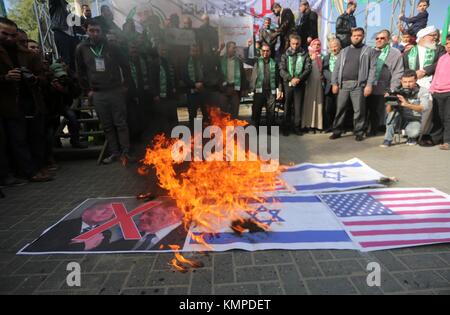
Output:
x,y
100,65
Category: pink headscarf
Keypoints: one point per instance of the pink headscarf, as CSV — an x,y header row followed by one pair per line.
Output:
x,y
315,52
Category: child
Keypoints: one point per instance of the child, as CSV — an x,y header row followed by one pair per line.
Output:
x,y
419,21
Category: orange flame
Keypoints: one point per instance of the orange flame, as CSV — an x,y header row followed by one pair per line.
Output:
x,y
213,194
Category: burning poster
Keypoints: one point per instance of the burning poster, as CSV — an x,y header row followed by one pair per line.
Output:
x,y
125,225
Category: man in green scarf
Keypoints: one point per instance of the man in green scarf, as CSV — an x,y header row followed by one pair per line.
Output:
x,y
423,57
265,83
389,73
295,68
234,80
164,89
193,77
329,63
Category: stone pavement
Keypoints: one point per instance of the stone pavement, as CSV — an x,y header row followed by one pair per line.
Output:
x,y
29,210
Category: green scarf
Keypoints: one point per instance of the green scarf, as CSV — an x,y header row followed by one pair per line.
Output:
x,y
162,82
192,72
414,52
237,72
333,59
381,60
260,78
296,70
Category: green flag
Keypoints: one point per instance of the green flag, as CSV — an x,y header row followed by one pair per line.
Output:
x,y
2,8
446,27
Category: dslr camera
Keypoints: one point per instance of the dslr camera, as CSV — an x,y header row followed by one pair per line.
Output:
x,y
27,76
393,100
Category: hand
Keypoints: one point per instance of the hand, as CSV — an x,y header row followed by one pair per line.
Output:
x,y
279,95
58,86
402,100
335,89
401,16
93,242
295,81
14,75
199,86
222,46
421,74
368,91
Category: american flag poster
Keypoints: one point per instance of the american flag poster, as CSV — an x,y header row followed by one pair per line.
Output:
x,y
392,218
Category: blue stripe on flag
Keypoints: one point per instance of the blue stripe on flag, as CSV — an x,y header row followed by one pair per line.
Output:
x,y
293,199
277,237
321,186
329,167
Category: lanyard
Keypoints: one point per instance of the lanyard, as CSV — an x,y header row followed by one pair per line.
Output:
x,y
97,53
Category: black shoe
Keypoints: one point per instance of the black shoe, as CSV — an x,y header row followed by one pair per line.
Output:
x,y
286,133
335,136
359,138
111,159
12,182
126,159
41,178
79,145
298,132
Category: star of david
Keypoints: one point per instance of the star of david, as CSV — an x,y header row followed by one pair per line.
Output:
x,y
266,216
337,176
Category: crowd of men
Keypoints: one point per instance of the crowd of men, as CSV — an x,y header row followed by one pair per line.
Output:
x,y
127,73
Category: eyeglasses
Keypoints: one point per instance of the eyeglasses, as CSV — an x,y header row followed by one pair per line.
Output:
x,y
265,50
381,38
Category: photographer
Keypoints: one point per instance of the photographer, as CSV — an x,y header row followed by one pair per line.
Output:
x,y
22,108
63,90
410,102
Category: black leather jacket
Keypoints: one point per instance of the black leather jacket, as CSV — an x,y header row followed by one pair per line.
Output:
x,y
344,25
59,12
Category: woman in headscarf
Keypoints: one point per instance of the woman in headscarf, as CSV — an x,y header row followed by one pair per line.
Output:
x,y
313,103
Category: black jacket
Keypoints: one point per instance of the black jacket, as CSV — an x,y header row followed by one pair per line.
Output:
x,y
177,237
416,23
58,14
59,239
284,70
308,26
155,72
327,74
286,27
116,75
344,25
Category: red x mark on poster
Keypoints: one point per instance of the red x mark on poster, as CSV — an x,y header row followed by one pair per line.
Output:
x,y
129,229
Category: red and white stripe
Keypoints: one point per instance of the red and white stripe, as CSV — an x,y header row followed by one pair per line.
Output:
x,y
422,216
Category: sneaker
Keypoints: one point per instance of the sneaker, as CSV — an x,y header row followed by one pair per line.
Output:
x,y
111,159
335,136
359,138
386,144
411,142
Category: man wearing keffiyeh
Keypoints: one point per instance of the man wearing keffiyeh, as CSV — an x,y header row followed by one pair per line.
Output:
x,y
388,75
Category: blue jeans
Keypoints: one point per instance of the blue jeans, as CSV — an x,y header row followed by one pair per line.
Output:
x,y
412,128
